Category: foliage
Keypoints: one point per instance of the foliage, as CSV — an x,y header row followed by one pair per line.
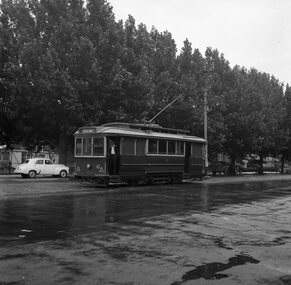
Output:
x,y
64,64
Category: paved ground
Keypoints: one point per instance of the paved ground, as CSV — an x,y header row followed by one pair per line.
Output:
x,y
247,176
222,230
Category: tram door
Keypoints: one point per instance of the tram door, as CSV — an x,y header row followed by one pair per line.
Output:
x,y
113,154
187,158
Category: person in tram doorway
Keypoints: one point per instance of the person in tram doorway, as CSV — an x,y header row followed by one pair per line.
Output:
x,y
112,157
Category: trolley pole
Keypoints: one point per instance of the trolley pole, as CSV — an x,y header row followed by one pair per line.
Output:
x,y
205,130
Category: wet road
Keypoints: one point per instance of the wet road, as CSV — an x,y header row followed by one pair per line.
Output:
x,y
55,231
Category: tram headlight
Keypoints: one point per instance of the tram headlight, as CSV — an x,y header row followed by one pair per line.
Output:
x,y
89,166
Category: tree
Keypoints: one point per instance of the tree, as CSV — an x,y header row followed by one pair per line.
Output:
x,y
191,85
58,70
164,77
286,129
265,111
9,67
64,64
217,72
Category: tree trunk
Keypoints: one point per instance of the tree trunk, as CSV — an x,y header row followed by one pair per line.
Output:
x,y
232,166
260,168
62,148
283,162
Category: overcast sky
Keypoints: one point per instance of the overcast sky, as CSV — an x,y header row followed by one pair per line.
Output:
x,y
250,33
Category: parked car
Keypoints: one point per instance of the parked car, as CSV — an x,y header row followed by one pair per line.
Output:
x,y
41,166
254,165
251,166
221,167
272,166
287,168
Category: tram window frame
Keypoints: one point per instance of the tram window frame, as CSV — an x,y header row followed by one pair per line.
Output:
x,y
197,150
176,143
152,143
79,150
163,147
78,146
87,146
128,146
95,149
170,147
140,146
180,151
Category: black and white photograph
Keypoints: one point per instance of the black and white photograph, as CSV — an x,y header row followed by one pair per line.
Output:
x,y
145,142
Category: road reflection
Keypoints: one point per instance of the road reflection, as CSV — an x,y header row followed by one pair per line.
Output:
x,y
28,219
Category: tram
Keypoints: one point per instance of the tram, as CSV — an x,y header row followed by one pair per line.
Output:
x,y
124,153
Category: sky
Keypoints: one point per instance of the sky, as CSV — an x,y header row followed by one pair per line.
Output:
x,y
250,33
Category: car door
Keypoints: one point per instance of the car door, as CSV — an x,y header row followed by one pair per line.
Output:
x,y
49,167
39,166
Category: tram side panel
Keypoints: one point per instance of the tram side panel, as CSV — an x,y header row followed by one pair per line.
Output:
x,y
137,158
196,167
132,166
196,160
137,163
141,167
164,165
132,158
91,167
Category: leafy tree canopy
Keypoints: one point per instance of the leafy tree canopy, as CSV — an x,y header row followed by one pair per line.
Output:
x,y
64,64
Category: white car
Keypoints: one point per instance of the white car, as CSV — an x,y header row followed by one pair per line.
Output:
x,y
41,166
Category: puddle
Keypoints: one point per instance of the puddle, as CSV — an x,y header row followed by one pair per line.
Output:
x,y
210,271
219,242
286,279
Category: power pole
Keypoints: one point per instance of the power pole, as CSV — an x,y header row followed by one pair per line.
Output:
x,y
205,129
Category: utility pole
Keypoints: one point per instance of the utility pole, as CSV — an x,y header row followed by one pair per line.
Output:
x,y
205,129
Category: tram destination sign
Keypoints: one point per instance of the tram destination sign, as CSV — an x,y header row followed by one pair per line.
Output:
x,y
88,131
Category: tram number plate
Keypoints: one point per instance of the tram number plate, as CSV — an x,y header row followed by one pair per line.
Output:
x,y
100,168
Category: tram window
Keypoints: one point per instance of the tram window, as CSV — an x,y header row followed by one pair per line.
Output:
x,y
87,146
171,147
153,147
140,146
98,146
78,146
162,147
128,146
197,150
180,148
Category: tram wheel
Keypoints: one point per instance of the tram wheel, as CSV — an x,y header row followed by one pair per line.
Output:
x,y
106,182
132,182
176,179
148,180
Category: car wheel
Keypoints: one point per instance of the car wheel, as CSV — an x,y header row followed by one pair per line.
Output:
x,y
63,174
32,174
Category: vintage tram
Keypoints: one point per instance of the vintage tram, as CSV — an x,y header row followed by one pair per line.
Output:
x,y
117,153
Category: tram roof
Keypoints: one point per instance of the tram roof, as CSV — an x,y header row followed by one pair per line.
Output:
x,y
138,130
